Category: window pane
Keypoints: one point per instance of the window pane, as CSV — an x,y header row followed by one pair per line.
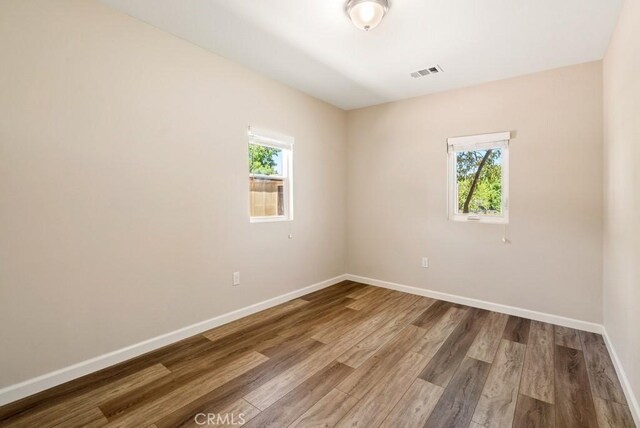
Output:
x,y
265,160
266,196
479,182
266,181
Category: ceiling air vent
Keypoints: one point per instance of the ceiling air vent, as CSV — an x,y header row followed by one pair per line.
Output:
x,y
427,71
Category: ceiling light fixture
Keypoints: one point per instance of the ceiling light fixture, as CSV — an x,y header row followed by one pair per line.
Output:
x,y
366,14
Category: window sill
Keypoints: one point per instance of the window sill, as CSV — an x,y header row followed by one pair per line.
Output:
x,y
268,219
479,219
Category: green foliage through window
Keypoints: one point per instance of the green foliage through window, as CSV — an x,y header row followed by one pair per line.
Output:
x,y
263,160
479,179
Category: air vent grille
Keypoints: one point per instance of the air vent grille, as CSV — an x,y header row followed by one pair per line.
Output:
x,y
427,71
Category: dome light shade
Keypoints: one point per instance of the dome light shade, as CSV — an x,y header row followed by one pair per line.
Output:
x,y
366,14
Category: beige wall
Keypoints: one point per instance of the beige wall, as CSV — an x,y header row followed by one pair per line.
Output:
x,y
397,193
622,192
115,138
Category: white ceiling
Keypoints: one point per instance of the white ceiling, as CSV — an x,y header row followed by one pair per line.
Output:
x,y
312,46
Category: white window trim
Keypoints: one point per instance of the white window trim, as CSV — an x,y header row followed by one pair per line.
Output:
x,y
477,142
285,143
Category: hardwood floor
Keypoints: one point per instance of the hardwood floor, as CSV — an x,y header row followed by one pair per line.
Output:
x,y
351,355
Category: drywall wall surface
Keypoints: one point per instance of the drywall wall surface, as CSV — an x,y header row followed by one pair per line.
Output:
x,y
124,187
398,193
621,289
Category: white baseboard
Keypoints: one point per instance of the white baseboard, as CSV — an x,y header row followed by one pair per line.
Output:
x,y
482,304
624,380
31,386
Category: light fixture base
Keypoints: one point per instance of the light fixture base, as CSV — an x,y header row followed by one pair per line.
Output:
x,y
366,14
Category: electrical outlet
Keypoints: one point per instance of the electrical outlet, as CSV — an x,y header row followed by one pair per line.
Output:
x,y
236,278
425,262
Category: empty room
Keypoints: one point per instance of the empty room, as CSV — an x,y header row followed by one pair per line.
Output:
x,y
320,213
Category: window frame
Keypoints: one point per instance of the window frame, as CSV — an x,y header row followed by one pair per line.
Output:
x,y
471,143
272,140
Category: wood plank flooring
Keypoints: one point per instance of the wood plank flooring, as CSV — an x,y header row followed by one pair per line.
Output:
x,y
351,355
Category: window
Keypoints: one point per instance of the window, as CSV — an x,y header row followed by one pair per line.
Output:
x,y
479,178
270,176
